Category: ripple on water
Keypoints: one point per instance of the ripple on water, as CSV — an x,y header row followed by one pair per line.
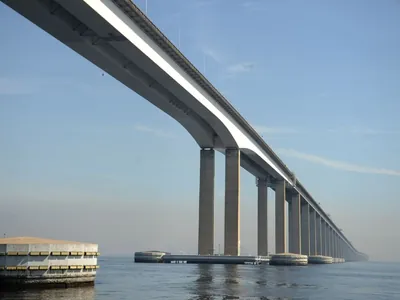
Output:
x,y
120,279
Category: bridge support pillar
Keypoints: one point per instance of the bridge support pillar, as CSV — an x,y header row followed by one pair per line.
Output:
x,y
290,222
232,202
280,217
323,237
326,229
305,229
206,202
262,217
294,224
313,232
319,234
335,245
342,245
328,240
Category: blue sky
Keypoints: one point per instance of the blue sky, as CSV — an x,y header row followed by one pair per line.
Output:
x,y
318,79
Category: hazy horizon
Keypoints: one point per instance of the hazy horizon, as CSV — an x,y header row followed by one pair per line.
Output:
x,y
84,158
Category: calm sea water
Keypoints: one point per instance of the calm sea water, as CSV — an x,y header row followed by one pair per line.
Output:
x,y
120,278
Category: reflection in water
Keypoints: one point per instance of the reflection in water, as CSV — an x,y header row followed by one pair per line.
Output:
x,y
121,279
283,276
231,281
86,293
204,281
262,276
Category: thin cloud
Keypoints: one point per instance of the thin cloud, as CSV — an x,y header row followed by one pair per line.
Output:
x,y
363,131
339,165
275,130
253,5
11,86
202,3
240,68
213,54
354,131
154,131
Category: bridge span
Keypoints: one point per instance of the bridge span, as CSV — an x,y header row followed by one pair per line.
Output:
x,y
118,38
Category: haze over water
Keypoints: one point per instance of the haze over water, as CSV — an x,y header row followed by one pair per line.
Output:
x,y
119,279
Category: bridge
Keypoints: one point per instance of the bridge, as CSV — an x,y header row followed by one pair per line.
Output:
x,y
118,38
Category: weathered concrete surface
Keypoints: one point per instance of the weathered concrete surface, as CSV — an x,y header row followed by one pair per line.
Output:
x,y
280,217
313,232
295,242
35,240
12,283
288,259
232,202
206,202
262,217
305,229
320,259
30,261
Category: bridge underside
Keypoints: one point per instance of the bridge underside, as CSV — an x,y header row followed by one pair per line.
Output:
x,y
101,44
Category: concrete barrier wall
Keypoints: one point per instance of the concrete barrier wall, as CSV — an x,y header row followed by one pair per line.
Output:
x,y
48,260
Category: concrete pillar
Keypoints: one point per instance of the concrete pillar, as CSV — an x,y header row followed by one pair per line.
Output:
x,y
206,202
305,229
335,243
313,232
323,235
232,202
319,234
262,217
332,245
294,220
326,251
328,240
333,238
341,248
290,222
280,217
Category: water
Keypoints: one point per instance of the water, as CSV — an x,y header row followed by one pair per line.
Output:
x,y
120,278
